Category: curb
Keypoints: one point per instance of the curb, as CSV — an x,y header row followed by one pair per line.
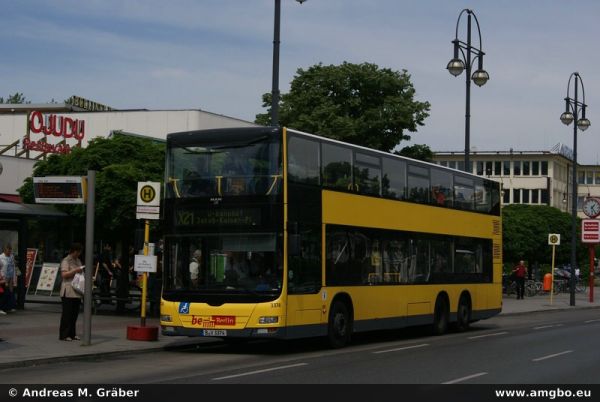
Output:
x,y
100,355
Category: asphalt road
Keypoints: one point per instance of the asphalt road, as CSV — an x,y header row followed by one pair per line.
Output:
x,y
555,347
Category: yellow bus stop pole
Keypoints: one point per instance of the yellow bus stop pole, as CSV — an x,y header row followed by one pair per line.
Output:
x,y
145,274
551,283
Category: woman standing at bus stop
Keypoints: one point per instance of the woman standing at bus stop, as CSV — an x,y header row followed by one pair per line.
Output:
x,y
71,300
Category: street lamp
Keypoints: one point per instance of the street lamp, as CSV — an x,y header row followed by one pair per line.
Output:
x,y
571,113
275,85
457,65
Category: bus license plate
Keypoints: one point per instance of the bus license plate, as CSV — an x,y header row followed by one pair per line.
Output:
x,y
214,332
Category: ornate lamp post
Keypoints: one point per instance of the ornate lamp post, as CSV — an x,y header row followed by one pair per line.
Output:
x,y
572,108
456,66
275,85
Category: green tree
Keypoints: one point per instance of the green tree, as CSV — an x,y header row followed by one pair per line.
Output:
x,y
418,151
357,103
525,235
120,162
17,97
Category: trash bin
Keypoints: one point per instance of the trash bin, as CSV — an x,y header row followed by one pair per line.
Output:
x,y
547,282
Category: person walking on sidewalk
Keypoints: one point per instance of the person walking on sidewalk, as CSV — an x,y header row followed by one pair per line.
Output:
x,y
520,272
71,300
8,271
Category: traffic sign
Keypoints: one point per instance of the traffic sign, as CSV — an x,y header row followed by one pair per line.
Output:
x,y
148,200
554,239
590,231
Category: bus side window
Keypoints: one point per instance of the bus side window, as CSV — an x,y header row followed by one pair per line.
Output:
x,y
337,166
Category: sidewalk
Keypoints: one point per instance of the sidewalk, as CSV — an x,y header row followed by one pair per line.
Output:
x,y
30,336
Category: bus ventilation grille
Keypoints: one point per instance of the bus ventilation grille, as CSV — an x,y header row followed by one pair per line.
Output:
x,y
497,251
496,228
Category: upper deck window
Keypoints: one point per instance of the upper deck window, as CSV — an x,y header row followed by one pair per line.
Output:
x,y
251,168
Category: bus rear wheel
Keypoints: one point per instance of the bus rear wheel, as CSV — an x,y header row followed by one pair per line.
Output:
x,y
339,328
440,317
463,315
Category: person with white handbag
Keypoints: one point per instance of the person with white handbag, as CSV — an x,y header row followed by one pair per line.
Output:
x,y
71,299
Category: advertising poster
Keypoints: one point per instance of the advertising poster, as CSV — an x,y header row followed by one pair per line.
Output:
x,y
30,263
47,277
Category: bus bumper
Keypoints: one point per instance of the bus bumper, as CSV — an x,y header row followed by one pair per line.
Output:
x,y
274,333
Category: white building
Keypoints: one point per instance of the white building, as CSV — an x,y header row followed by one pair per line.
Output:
x,y
22,126
531,177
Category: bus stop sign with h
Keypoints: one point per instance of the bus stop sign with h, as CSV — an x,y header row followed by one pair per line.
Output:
x,y
148,207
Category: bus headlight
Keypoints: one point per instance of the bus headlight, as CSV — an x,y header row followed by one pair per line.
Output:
x,y
166,318
268,320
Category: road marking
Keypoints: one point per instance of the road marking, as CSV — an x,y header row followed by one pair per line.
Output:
x,y
486,335
548,326
551,356
588,321
260,371
403,348
465,378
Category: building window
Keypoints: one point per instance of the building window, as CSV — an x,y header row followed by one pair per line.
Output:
x,y
535,168
479,168
544,168
581,177
452,164
597,177
545,198
525,196
580,202
525,168
517,168
506,196
498,168
535,196
460,165
506,167
589,177
488,168
516,195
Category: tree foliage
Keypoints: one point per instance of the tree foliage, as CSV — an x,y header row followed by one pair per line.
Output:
x,y
120,162
15,98
421,152
525,234
357,103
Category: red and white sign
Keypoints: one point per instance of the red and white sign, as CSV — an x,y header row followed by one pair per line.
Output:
x,y
590,231
30,263
53,126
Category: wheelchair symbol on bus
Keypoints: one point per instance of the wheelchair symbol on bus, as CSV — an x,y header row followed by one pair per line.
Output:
x,y
184,308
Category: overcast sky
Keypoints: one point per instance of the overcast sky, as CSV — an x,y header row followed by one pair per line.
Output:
x,y
216,55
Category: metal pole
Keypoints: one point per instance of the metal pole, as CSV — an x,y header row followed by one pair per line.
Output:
x,y
275,87
89,256
145,274
574,201
468,101
592,252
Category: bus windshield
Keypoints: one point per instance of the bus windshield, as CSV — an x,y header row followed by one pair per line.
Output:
x,y
224,169
223,263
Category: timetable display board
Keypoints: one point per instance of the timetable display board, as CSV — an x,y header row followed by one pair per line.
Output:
x,y
60,190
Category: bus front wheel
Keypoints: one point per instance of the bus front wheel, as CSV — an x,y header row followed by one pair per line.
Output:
x,y
440,317
340,325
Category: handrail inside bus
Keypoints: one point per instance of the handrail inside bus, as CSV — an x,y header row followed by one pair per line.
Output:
x,y
173,182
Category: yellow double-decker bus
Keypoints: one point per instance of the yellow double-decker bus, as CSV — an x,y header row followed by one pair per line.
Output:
x,y
275,233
